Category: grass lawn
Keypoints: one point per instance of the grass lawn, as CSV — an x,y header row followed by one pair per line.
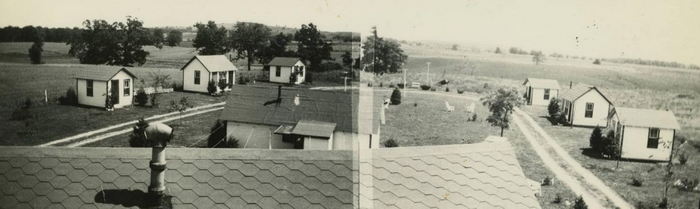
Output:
x,y
51,122
575,139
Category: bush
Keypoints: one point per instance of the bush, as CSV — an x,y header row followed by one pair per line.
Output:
x,y
71,98
242,80
392,86
432,89
596,140
460,91
636,182
137,137
663,203
217,133
391,143
546,181
472,118
645,205
447,89
211,87
687,185
176,86
141,97
425,87
682,158
553,109
400,85
381,84
222,85
20,114
580,204
596,62
557,199
396,97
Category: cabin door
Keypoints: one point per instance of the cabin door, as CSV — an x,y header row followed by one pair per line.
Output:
x,y
115,91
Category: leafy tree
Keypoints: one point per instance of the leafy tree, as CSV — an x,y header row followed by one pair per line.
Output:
x,y
157,38
181,106
596,140
580,204
454,47
501,103
138,137
498,50
553,109
111,43
37,47
211,87
389,55
249,40
538,57
596,62
396,97
158,81
210,39
312,46
174,38
276,48
141,97
347,59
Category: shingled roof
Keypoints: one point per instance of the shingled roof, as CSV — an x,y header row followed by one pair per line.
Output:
x,y
578,91
100,73
283,61
246,104
542,83
213,63
647,118
483,175
32,177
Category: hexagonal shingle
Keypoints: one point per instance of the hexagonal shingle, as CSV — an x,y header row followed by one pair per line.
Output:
x,y
249,169
202,176
187,196
202,189
108,175
125,169
187,182
60,181
91,182
74,189
219,196
218,169
187,169
56,196
27,181
123,182
77,175
251,196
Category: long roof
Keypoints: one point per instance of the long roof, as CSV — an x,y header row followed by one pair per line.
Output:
x,y
482,175
246,104
578,91
284,61
39,177
647,118
314,128
100,73
213,63
542,83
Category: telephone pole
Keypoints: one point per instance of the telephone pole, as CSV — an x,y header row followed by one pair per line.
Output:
x,y
374,49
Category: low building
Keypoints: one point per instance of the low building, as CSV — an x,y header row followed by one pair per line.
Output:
x,y
644,134
293,118
585,106
284,69
94,85
201,69
540,91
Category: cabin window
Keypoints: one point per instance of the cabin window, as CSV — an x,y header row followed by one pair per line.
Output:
x,y
197,76
301,71
88,84
546,94
278,71
653,141
127,87
230,77
589,110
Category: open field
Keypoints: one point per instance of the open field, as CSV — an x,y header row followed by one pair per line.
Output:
x,y
575,139
51,122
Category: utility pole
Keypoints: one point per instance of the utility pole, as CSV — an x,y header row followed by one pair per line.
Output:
x,y
427,75
404,78
374,49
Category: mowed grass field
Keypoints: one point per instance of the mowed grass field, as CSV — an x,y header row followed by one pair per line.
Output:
x,y
575,139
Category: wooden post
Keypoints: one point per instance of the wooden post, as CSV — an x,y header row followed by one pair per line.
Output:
x,y
46,97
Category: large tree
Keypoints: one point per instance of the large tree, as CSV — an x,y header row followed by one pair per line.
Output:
x,y
501,103
210,39
174,38
312,46
158,38
111,43
249,40
537,57
277,48
382,55
37,47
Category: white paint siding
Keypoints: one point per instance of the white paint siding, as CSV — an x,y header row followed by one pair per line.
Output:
x,y
123,100
634,145
263,137
537,97
314,143
98,93
601,108
188,77
285,72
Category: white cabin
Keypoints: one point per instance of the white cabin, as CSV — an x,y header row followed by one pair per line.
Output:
x,y
94,85
585,106
644,134
282,68
201,69
540,91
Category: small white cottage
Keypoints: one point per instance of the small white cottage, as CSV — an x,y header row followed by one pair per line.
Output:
x,y
585,106
644,134
540,91
201,69
94,85
282,69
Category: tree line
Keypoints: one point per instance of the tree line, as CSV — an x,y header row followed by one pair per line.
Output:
x,y
29,33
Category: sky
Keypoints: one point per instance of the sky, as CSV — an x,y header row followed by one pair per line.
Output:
x,y
650,29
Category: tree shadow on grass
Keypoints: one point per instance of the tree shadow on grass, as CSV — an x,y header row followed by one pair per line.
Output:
x,y
132,198
592,153
551,120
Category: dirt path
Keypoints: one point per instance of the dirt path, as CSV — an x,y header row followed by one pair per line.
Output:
x,y
580,180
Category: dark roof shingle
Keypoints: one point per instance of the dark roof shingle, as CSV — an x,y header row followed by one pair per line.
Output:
x,y
283,61
100,73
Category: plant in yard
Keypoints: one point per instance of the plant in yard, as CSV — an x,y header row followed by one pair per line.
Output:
x,y
636,182
546,181
472,118
501,103
396,97
425,87
21,113
687,185
391,143
381,84
557,199
580,204
432,89
664,203
460,91
447,89
415,104
159,81
138,137
596,140
141,97
211,87
109,104
70,98
217,134
222,85
181,105
610,148
553,110
682,158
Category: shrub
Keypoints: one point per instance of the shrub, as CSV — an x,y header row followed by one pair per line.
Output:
x,y
486,85
663,203
682,158
580,204
415,104
432,89
211,87
687,185
137,137
557,199
70,98
645,205
636,182
176,86
447,89
27,103
391,143
425,87
473,117
154,100
381,84
217,133
400,85
242,80
553,109
596,62
20,114
141,97
546,181
460,91
396,97
392,86
222,85
596,140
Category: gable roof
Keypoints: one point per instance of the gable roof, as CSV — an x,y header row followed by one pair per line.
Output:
x,y
284,61
314,128
482,175
37,177
246,105
647,118
542,83
213,63
101,73
578,91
